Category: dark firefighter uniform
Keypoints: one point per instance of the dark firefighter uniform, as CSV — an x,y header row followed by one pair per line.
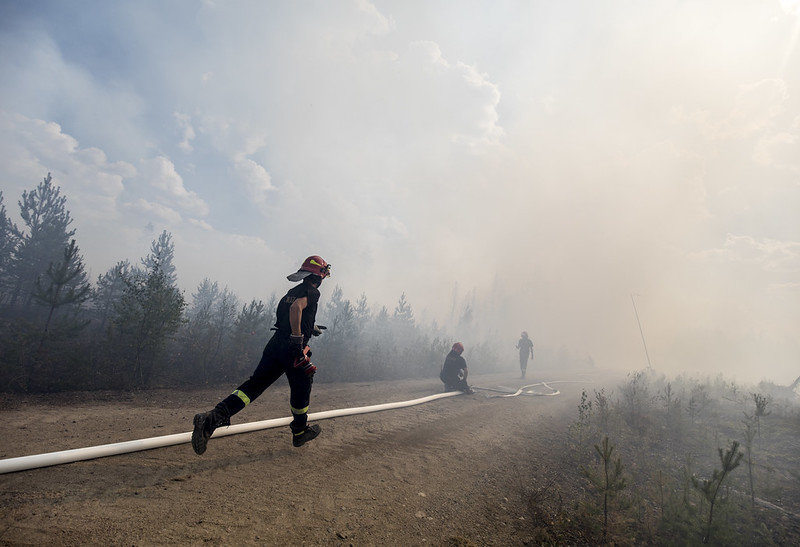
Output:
x,y
454,372
525,347
278,358
283,354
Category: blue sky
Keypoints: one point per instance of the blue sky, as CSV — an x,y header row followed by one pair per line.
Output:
x,y
554,157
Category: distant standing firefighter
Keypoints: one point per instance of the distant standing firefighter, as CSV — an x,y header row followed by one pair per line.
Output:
x,y
525,347
454,371
286,353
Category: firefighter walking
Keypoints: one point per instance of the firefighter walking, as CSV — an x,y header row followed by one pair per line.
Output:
x,y
525,347
285,353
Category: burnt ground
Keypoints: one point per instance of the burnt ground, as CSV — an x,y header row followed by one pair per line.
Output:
x,y
458,470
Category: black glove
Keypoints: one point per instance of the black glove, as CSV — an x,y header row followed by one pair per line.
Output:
x,y
318,330
296,344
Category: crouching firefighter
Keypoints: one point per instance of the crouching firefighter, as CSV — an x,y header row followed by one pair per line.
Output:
x,y
454,371
287,353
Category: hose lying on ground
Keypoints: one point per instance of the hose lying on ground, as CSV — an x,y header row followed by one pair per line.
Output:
x,y
524,390
22,463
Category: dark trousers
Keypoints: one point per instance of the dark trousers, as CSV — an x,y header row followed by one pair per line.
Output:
x,y
523,363
453,382
277,359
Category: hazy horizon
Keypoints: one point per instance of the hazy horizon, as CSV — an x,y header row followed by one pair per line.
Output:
x,y
549,159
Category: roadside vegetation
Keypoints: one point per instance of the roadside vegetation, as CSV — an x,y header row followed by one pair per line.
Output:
x,y
677,461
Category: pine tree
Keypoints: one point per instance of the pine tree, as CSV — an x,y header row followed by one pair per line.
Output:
x,y
384,347
271,309
749,435
197,333
709,488
761,402
64,284
199,313
162,253
149,312
252,319
465,321
9,241
43,210
403,311
249,333
610,481
223,319
340,315
210,324
108,290
362,312
334,303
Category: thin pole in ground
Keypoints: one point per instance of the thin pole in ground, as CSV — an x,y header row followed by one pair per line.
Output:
x,y
646,354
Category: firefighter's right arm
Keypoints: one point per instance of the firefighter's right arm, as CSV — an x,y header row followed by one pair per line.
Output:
x,y
296,314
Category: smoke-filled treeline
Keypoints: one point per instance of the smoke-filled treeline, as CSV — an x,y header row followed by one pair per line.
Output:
x,y
132,327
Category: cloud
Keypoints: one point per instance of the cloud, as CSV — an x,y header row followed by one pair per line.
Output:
x,y
488,121
161,211
41,83
780,287
184,122
768,254
392,227
779,150
756,106
456,98
256,179
379,23
32,148
790,6
105,198
160,173
201,224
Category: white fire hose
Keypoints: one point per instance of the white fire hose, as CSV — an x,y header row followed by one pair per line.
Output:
x,y
524,390
22,463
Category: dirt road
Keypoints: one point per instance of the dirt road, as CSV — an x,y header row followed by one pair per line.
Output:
x,y
453,471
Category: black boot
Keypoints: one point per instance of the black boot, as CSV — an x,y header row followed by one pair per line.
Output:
x,y
204,425
302,437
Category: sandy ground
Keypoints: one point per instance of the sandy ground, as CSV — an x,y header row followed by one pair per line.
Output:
x,y
454,471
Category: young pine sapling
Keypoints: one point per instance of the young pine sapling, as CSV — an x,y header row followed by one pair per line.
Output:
x,y
609,481
749,435
709,488
761,402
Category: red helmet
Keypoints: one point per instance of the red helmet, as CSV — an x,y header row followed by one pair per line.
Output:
x,y
315,265
458,347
